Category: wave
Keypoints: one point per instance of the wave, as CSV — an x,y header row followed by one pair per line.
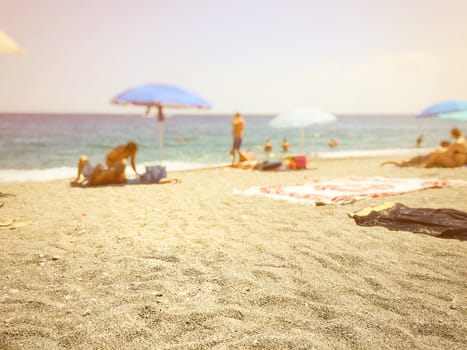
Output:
x,y
48,174
59,173
36,175
374,153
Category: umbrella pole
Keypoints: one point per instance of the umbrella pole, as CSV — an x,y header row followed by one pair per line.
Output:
x,y
161,140
160,118
302,139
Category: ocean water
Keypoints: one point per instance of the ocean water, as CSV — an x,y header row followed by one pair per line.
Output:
x,y
36,147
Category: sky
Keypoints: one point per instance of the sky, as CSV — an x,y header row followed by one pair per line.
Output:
x,y
251,56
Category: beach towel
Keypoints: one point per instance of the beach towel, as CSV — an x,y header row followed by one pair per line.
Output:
x,y
346,190
443,222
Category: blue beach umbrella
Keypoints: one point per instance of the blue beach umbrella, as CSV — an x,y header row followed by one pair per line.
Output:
x,y
302,118
460,116
160,96
454,110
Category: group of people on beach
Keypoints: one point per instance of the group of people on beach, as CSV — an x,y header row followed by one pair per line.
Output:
x,y
116,158
246,160
447,155
114,173
238,124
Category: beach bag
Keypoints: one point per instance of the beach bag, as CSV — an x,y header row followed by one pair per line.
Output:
x,y
154,173
300,161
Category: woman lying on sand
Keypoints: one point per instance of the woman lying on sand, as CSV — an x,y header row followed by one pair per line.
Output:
x,y
98,175
247,162
446,156
115,172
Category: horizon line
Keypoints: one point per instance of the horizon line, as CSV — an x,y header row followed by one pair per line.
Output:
x,y
352,114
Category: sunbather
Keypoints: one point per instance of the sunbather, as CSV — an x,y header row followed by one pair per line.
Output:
x,y
115,161
98,175
457,135
446,156
454,156
246,160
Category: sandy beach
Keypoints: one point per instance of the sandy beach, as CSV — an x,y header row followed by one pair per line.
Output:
x,y
193,266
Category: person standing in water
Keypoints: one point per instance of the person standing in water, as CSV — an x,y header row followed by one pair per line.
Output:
x,y
419,140
285,145
268,148
238,124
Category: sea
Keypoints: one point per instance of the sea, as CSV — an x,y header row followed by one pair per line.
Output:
x,y
41,147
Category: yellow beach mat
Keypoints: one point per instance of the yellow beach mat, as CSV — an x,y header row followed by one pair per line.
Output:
x,y
368,210
14,222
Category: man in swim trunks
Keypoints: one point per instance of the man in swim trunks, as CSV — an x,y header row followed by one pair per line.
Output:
x,y
237,132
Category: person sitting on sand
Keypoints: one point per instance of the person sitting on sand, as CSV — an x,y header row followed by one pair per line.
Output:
x,y
457,136
98,175
418,160
120,154
454,155
446,156
115,161
443,146
246,160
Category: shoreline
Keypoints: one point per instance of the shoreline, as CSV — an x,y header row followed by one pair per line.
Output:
x,y
66,172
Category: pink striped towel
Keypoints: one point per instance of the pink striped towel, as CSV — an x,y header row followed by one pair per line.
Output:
x,y
347,190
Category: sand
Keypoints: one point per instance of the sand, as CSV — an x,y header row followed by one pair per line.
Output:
x,y
192,266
